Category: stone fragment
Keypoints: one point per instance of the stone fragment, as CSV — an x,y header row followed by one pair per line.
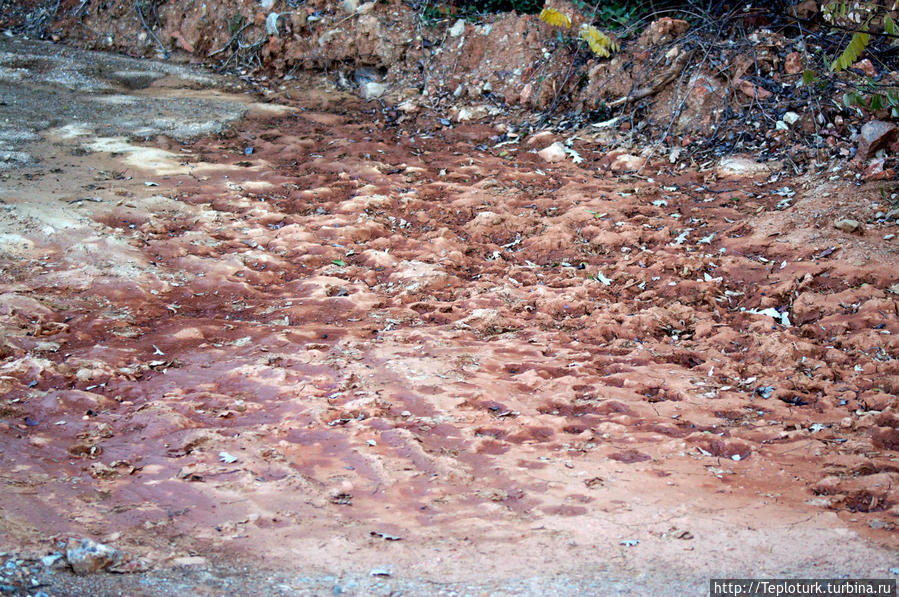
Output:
x,y
553,153
86,556
408,107
372,90
805,10
540,138
468,113
865,66
848,225
457,29
751,90
527,94
874,135
741,166
190,561
703,103
790,118
662,31
875,171
793,63
626,162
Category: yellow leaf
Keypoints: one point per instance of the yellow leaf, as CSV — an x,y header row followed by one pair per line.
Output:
x,y
554,17
598,41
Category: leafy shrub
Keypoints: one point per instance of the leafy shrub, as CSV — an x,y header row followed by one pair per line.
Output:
x,y
494,6
598,41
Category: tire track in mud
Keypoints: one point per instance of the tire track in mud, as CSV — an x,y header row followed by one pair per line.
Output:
x,y
389,331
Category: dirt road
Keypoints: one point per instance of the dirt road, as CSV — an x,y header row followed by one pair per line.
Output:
x,y
315,352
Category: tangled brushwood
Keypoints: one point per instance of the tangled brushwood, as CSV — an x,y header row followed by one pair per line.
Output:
x,y
783,81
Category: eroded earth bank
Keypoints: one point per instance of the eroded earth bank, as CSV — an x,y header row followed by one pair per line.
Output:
x,y
312,351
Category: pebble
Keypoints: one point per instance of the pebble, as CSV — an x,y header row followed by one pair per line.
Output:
x,y
741,166
848,225
553,153
793,63
874,135
457,29
87,556
372,90
51,559
539,138
383,571
626,162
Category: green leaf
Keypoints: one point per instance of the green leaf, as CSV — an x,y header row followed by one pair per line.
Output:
x,y
809,77
853,99
889,25
339,262
856,46
876,102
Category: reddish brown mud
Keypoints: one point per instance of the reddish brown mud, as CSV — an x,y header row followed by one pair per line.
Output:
x,y
319,333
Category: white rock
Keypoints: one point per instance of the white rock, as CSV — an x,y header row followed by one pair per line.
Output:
x,y
349,6
553,153
467,113
457,29
627,161
372,90
408,107
190,561
51,559
271,23
737,166
790,118
327,36
848,225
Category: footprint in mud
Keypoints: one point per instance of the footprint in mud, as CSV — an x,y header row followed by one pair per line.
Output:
x,y
630,456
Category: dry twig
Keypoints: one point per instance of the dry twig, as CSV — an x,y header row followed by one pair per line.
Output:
x,y
165,52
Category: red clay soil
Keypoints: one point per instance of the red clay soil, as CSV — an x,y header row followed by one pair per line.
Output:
x,y
321,333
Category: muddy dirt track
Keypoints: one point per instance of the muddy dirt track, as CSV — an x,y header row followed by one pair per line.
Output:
x,y
319,345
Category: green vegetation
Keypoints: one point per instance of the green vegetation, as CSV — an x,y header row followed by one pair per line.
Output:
x,y
864,21
615,15
494,6
599,42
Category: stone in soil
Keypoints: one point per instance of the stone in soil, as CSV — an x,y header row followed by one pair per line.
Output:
x,y
874,135
86,556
